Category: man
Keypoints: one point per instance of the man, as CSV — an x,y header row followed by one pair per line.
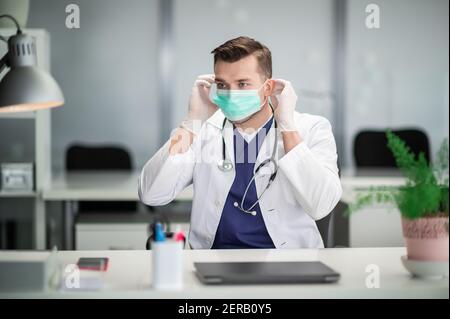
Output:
x,y
262,172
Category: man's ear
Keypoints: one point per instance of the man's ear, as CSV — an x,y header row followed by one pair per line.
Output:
x,y
270,87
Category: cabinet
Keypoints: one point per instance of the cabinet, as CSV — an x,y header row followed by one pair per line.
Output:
x,y
119,231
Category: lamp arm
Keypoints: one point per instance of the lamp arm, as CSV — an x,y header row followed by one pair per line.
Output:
x,y
19,31
3,62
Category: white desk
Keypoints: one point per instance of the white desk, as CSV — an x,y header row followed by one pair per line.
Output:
x,y
129,276
95,186
122,186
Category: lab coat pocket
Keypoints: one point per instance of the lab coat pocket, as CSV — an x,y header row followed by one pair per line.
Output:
x,y
275,227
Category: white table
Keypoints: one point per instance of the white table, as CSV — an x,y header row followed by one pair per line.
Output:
x,y
129,276
95,186
122,186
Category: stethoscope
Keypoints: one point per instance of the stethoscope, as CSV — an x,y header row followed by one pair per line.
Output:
x,y
225,165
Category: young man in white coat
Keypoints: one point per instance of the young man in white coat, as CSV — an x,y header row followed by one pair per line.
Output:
x,y
262,172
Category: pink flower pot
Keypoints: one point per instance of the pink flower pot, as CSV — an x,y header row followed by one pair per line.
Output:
x,y
426,238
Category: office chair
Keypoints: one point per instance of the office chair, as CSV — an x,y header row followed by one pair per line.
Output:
x,y
371,151
325,226
334,227
103,158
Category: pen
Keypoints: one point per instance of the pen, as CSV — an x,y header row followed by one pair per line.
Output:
x,y
159,233
179,236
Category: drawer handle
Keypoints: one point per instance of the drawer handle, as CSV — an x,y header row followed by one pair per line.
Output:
x,y
121,248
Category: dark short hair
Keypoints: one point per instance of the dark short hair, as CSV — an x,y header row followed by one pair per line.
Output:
x,y
235,49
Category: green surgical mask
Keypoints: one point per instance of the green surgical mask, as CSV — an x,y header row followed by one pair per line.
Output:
x,y
238,105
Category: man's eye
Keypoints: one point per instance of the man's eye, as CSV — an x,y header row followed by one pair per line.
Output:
x,y
242,85
220,86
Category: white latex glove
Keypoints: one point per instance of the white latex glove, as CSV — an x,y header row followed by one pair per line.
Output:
x,y
284,100
200,106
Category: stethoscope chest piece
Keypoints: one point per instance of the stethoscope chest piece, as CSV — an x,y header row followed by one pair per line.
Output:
x,y
225,165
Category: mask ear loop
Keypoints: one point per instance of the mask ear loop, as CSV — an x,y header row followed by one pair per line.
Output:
x,y
275,144
266,98
212,92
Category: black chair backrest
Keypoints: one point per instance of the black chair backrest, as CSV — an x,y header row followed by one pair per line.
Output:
x,y
371,150
103,158
326,225
97,158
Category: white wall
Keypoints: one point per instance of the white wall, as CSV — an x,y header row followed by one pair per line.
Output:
x,y
298,32
112,59
107,70
398,74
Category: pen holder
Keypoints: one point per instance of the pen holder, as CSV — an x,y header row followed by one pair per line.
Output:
x,y
167,265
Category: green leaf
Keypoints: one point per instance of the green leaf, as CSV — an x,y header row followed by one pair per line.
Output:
x,y
426,191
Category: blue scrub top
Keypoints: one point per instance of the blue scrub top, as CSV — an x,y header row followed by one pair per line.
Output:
x,y
238,229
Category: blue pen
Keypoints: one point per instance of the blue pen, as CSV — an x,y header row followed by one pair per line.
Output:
x,y
159,233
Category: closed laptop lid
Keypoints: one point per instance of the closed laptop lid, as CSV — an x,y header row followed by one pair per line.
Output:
x,y
265,272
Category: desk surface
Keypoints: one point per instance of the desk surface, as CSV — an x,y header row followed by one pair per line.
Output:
x,y
95,185
129,276
110,186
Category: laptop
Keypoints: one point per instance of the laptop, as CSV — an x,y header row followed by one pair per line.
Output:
x,y
265,272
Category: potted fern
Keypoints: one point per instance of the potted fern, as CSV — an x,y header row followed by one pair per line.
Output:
x,y
422,201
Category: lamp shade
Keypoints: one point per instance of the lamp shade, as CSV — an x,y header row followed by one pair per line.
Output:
x,y
28,89
25,87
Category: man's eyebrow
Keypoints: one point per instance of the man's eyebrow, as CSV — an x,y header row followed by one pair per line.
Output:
x,y
237,81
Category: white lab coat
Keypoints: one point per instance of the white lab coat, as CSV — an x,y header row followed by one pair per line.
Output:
x,y
306,188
